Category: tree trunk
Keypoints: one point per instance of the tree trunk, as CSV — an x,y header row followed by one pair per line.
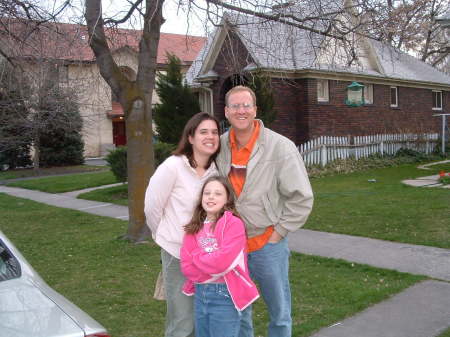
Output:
x,y
135,98
140,164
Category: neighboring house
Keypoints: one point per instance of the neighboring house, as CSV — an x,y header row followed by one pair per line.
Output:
x,y
64,49
310,75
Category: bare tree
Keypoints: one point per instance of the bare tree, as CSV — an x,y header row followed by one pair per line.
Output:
x,y
135,95
410,26
329,23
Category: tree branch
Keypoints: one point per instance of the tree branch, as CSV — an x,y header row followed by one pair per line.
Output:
x,y
109,70
273,17
127,16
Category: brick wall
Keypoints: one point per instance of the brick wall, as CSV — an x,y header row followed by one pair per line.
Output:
x,y
300,117
414,113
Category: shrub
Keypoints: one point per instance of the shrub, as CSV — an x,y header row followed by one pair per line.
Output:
x,y
438,148
445,180
412,154
162,151
343,166
117,161
177,102
15,131
60,123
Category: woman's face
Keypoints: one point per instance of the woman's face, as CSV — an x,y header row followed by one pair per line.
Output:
x,y
205,141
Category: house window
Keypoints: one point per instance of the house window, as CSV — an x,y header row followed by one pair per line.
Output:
x,y
322,91
63,73
394,97
368,93
437,100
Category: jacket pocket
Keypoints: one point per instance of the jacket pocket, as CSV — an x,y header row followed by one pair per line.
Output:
x,y
270,209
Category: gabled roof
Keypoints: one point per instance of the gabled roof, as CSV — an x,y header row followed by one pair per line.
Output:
x,y
69,42
279,47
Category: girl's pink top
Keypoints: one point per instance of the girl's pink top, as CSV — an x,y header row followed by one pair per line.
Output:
x,y
223,258
207,241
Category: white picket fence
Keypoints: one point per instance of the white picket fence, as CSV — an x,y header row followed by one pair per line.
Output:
x,y
325,149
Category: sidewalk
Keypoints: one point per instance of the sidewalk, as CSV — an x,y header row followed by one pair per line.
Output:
x,y
422,310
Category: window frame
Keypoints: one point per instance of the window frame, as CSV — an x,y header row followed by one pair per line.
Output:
x,y
368,94
8,259
434,99
394,105
325,98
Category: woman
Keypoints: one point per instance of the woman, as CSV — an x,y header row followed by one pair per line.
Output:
x,y
170,199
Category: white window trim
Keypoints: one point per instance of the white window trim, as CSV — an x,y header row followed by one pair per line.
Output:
x,y
433,107
326,96
396,96
368,93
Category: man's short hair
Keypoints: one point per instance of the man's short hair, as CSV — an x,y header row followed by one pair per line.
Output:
x,y
239,88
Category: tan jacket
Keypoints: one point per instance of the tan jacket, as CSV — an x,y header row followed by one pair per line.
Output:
x,y
276,190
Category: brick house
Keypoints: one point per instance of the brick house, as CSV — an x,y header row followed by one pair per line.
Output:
x,y
64,49
309,79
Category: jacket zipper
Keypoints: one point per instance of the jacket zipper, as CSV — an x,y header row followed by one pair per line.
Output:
x,y
242,278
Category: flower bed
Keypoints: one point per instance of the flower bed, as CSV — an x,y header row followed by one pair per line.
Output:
x,y
444,178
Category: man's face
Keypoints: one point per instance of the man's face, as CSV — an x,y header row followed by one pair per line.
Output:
x,y
241,111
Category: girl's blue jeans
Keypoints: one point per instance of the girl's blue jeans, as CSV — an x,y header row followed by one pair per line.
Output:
x,y
215,313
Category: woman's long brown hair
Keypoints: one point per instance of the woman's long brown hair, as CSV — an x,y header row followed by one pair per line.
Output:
x,y
199,216
184,147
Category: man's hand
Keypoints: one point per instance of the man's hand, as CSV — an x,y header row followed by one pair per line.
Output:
x,y
275,237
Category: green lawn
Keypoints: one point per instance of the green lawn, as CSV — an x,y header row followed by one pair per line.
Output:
x,y
78,254
116,195
385,209
445,333
29,172
66,183
351,204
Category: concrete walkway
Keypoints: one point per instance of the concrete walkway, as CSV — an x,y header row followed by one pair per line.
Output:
x,y
67,201
428,181
422,310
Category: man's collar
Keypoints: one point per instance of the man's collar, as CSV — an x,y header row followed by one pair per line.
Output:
x,y
251,142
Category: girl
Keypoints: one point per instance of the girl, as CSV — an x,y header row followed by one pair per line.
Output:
x,y
169,202
214,261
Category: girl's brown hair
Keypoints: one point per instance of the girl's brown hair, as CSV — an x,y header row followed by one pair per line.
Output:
x,y
185,147
199,216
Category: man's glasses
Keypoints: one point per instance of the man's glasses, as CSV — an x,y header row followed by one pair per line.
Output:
x,y
245,106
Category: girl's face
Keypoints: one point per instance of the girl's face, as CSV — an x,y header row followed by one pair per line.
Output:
x,y
205,141
214,198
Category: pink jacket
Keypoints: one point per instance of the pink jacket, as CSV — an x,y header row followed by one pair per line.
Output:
x,y
229,261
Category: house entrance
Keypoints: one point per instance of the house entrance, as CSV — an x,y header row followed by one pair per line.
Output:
x,y
119,132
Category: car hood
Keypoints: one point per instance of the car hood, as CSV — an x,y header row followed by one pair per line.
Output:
x,y
26,311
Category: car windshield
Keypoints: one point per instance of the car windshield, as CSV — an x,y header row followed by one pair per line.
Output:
x,y
9,266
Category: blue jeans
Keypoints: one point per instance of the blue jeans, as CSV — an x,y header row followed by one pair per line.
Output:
x,y
215,313
269,267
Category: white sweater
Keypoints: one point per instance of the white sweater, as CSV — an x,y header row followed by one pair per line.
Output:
x,y
172,194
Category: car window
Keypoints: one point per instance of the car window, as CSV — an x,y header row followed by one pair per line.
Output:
x,y
9,266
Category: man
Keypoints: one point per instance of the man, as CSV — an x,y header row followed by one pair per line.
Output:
x,y
274,197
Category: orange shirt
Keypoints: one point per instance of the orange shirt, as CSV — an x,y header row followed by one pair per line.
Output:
x,y
238,171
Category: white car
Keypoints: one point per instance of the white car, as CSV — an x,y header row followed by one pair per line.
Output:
x,y
30,308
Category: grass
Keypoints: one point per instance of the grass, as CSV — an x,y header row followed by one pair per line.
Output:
x,y
350,204
66,183
78,254
440,167
29,172
116,195
385,209
445,333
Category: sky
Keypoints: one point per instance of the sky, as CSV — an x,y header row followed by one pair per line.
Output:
x,y
176,19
